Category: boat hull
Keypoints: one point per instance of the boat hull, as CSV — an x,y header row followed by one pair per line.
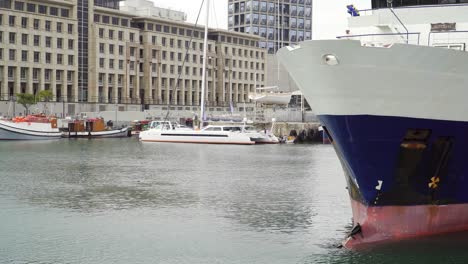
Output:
x,y
398,120
381,223
120,133
273,98
25,131
195,137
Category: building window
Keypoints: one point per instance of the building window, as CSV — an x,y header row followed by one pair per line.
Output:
x,y
47,75
111,49
120,35
59,27
11,21
101,33
53,11
124,22
36,24
70,60
48,42
37,40
48,57
70,44
12,37
31,8
115,21
47,25
111,64
121,64
101,63
24,39
24,22
59,59
37,55
70,28
19,6
121,50
132,37
65,12
12,54
24,55
111,34
101,47
59,43
42,9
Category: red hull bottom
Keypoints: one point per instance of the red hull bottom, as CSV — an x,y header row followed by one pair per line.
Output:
x,y
389,223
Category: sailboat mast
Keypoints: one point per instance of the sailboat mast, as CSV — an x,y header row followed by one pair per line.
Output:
x,y
205,59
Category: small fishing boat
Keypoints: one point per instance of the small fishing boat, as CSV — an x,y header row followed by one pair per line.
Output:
x,y
93,128
31,127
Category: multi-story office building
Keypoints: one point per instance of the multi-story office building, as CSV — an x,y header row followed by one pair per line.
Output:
x,y
90,51
38,48
278,22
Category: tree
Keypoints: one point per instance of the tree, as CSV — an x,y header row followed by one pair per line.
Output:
x,y
26,100
46,96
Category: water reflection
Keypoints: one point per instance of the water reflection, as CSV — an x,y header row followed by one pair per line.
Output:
x,y
273,212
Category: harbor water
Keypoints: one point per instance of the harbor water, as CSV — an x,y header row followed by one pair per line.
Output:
x,y
122,201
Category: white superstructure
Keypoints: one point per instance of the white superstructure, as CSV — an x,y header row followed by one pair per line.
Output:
x,y
429,25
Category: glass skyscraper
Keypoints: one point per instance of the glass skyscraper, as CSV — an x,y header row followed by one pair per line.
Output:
x,y
278,22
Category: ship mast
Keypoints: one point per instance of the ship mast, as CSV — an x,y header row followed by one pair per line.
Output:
x,y
205,45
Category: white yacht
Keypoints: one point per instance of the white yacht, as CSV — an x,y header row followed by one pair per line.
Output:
x,y
392,95
259,137
165,131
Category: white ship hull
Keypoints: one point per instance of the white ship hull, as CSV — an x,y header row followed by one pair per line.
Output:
x,y
403,80
27,131
199,137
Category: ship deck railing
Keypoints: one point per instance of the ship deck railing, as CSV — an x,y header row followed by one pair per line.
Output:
x,y
407,38
369,12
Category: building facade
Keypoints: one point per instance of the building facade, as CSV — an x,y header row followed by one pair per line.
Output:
x,y
90,51
38,48
278,22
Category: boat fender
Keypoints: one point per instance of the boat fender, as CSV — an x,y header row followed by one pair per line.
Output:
x,y
356,230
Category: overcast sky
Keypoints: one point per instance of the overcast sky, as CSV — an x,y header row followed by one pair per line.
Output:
x,y
329,15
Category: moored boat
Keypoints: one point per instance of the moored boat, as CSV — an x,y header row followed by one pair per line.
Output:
x,y
31,127
93,128
270,96
395,109
166,131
